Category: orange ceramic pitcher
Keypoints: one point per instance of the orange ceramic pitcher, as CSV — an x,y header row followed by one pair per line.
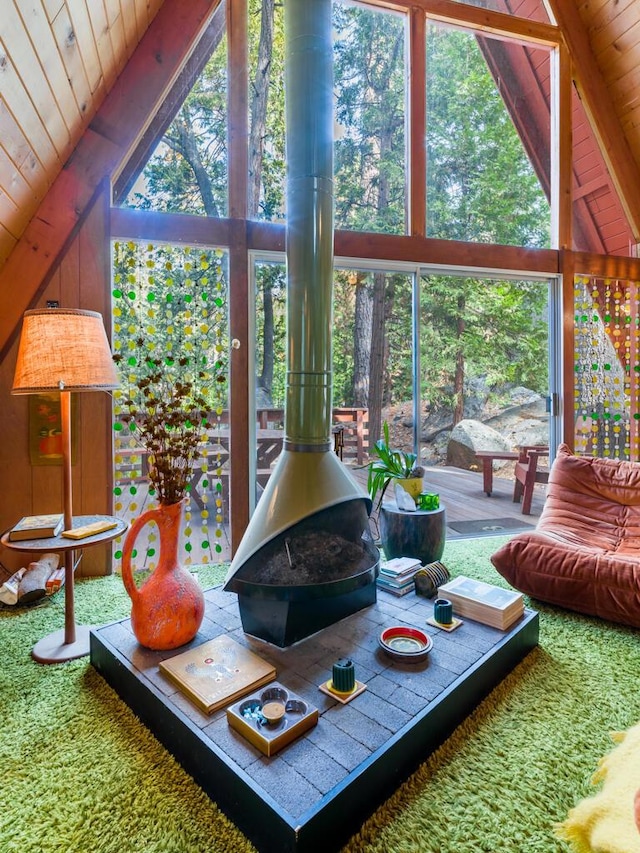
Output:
x,y
167,609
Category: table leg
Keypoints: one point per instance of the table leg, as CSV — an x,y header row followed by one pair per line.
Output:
x,y
487,475
72,641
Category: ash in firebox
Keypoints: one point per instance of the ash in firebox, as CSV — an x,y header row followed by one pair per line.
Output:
x,y
313,557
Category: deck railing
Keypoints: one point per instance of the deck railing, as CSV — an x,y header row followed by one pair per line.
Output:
x,y
350,429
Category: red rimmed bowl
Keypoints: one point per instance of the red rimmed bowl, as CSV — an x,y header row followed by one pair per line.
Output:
x,y
405,643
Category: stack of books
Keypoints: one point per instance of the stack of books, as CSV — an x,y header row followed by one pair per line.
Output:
x,y
491,605
397,575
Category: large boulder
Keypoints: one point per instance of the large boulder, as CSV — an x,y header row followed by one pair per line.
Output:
x,y
467,437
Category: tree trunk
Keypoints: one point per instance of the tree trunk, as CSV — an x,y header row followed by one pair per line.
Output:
x,y
362,342
257,131
458,382
377,360
186,145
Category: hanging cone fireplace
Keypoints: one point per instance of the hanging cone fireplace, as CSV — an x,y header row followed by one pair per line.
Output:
x,y
307,559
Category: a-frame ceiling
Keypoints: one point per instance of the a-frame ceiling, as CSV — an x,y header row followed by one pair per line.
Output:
x,y
61,61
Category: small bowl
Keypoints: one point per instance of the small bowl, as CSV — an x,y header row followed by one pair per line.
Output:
x,y
405,644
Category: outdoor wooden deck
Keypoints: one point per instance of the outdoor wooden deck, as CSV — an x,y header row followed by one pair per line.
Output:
x,y
470,513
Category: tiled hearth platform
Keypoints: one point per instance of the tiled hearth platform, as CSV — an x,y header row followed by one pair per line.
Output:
x,y
315,793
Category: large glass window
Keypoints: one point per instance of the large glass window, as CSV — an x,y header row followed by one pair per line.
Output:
x,y
484,356
370,83
481,182
266,186
186,172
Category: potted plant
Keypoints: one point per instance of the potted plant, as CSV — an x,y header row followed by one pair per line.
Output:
x,y
398,466
404,533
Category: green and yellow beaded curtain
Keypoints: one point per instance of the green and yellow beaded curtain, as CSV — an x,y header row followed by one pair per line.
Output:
x,y
607,367
170,326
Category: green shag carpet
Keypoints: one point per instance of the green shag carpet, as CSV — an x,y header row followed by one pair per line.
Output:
x,y
80,773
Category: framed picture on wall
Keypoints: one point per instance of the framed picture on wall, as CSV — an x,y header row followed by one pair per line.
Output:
x,y
45,429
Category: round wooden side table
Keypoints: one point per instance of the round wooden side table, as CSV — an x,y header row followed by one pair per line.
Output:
x,y
72,641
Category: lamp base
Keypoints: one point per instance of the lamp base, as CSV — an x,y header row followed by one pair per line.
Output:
x,y
53,649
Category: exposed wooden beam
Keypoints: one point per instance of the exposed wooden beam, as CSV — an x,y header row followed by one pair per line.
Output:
x,y
102,150
599,107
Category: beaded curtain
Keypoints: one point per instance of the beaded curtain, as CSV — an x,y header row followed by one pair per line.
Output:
x,y
171,302
606,367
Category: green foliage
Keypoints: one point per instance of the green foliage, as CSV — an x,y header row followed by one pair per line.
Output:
x,y
370,149
389,465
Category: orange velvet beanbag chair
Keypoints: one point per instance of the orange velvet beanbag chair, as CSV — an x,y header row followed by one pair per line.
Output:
x,y
585,551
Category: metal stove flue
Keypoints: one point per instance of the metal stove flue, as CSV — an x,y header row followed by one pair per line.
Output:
x,y
307,559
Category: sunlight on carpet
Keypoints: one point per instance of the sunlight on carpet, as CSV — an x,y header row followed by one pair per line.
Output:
x,y
81,773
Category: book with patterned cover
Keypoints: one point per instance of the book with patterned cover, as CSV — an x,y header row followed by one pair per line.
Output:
x,y
36,527
217,673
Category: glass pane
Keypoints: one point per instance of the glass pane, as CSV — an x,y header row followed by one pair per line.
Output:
x,y
370,82
170,331
372,349
266,188
484,358
187,170
607,336
484,97
371,345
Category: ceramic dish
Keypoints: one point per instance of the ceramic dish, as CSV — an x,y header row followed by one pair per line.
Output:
x,y
406,644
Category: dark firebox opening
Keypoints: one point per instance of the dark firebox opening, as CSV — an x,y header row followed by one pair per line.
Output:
x,y
321,570
329,547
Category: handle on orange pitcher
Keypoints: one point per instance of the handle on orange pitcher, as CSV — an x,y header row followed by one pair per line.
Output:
x,y
129,543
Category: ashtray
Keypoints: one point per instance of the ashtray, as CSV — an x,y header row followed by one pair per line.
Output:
x,y
405,644
271,718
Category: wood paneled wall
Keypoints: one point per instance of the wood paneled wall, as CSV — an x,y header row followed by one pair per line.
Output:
x,y
80,281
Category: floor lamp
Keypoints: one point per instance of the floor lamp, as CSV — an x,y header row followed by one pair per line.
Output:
x,y
65,350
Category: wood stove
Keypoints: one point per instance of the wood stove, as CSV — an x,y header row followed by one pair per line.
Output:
x,y
307,559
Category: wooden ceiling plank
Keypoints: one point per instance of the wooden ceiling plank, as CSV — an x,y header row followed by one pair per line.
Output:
x,y
8,209
597,14
24,59
100,152
52,7
19,103
40,35
12,181
86,40
130,25
104,47
619,58
141,10
615,149
67,43
19,148
119,42
614,31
